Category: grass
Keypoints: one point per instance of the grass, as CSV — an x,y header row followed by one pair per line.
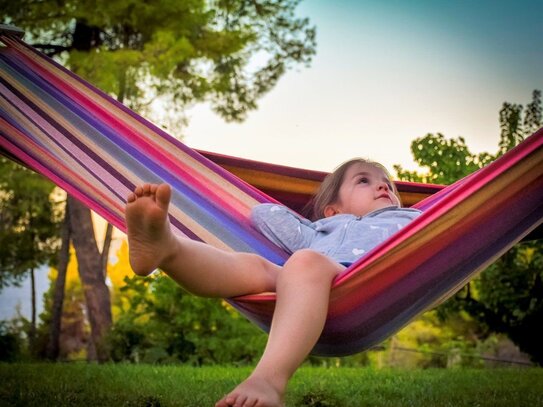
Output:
x,y
152,386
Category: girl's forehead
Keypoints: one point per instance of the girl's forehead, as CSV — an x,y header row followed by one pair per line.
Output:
x,y
370,169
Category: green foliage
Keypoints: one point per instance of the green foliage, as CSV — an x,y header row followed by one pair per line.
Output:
x,y
533,116
228,53
511,294
513,128
12,344
159,322
508,296
29,219
75,328
444,160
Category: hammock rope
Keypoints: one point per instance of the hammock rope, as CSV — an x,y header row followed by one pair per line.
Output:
x,y
98,150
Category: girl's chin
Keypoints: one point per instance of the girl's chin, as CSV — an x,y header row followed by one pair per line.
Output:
x,y
386,205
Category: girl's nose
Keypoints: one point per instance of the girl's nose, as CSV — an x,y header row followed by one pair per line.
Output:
x,y
382,185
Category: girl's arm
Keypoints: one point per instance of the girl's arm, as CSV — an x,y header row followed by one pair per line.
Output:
x,y
283,227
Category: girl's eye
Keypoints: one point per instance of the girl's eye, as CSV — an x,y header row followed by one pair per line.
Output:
x,y
363,180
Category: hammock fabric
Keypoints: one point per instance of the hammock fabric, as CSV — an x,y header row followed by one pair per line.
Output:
x,y
294,187
98,150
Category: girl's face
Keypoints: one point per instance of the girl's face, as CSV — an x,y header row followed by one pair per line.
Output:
x,y
365,188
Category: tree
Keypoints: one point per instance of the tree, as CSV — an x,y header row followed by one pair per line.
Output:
x,y
513,128
53,343
29,219
73,340
92,276
507,297
226,52
444,160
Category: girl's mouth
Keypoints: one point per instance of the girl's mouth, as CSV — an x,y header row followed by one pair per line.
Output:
x,y
386,196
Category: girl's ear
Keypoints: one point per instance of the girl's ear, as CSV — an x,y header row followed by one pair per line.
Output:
x,y
330,210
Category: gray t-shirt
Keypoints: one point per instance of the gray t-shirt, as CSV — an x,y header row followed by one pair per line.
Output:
x,y
344,238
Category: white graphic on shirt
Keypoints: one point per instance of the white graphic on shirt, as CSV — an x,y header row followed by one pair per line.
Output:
x,y
358,252
275,208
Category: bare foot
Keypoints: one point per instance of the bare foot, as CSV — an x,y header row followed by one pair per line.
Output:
x,y
253,392
150,240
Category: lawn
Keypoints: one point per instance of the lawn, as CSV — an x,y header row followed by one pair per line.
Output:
x,y
88,385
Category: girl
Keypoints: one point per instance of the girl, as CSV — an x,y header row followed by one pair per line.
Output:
x,y
357,207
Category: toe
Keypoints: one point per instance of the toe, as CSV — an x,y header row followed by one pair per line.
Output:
x,y
146,190
250,402
240,401
163,195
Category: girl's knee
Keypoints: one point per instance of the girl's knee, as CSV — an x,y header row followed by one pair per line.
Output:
x,y
307,257
311,265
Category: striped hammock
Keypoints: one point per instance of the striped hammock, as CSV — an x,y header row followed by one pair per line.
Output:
x,y
98,150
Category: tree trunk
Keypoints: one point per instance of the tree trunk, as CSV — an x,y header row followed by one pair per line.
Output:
x,y
92,277
105,249
32,333
53,346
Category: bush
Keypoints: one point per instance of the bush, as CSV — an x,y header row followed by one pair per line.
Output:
x,y
158,322
12,344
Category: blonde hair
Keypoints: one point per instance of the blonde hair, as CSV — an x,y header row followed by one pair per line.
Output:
x,y
328,192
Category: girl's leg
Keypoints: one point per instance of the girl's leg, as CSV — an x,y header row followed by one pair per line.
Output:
x,y
198,267
303,291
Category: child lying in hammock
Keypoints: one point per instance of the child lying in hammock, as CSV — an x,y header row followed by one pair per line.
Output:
x,y
357,207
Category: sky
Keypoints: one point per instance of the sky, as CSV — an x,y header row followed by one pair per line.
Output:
x,y
385,73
